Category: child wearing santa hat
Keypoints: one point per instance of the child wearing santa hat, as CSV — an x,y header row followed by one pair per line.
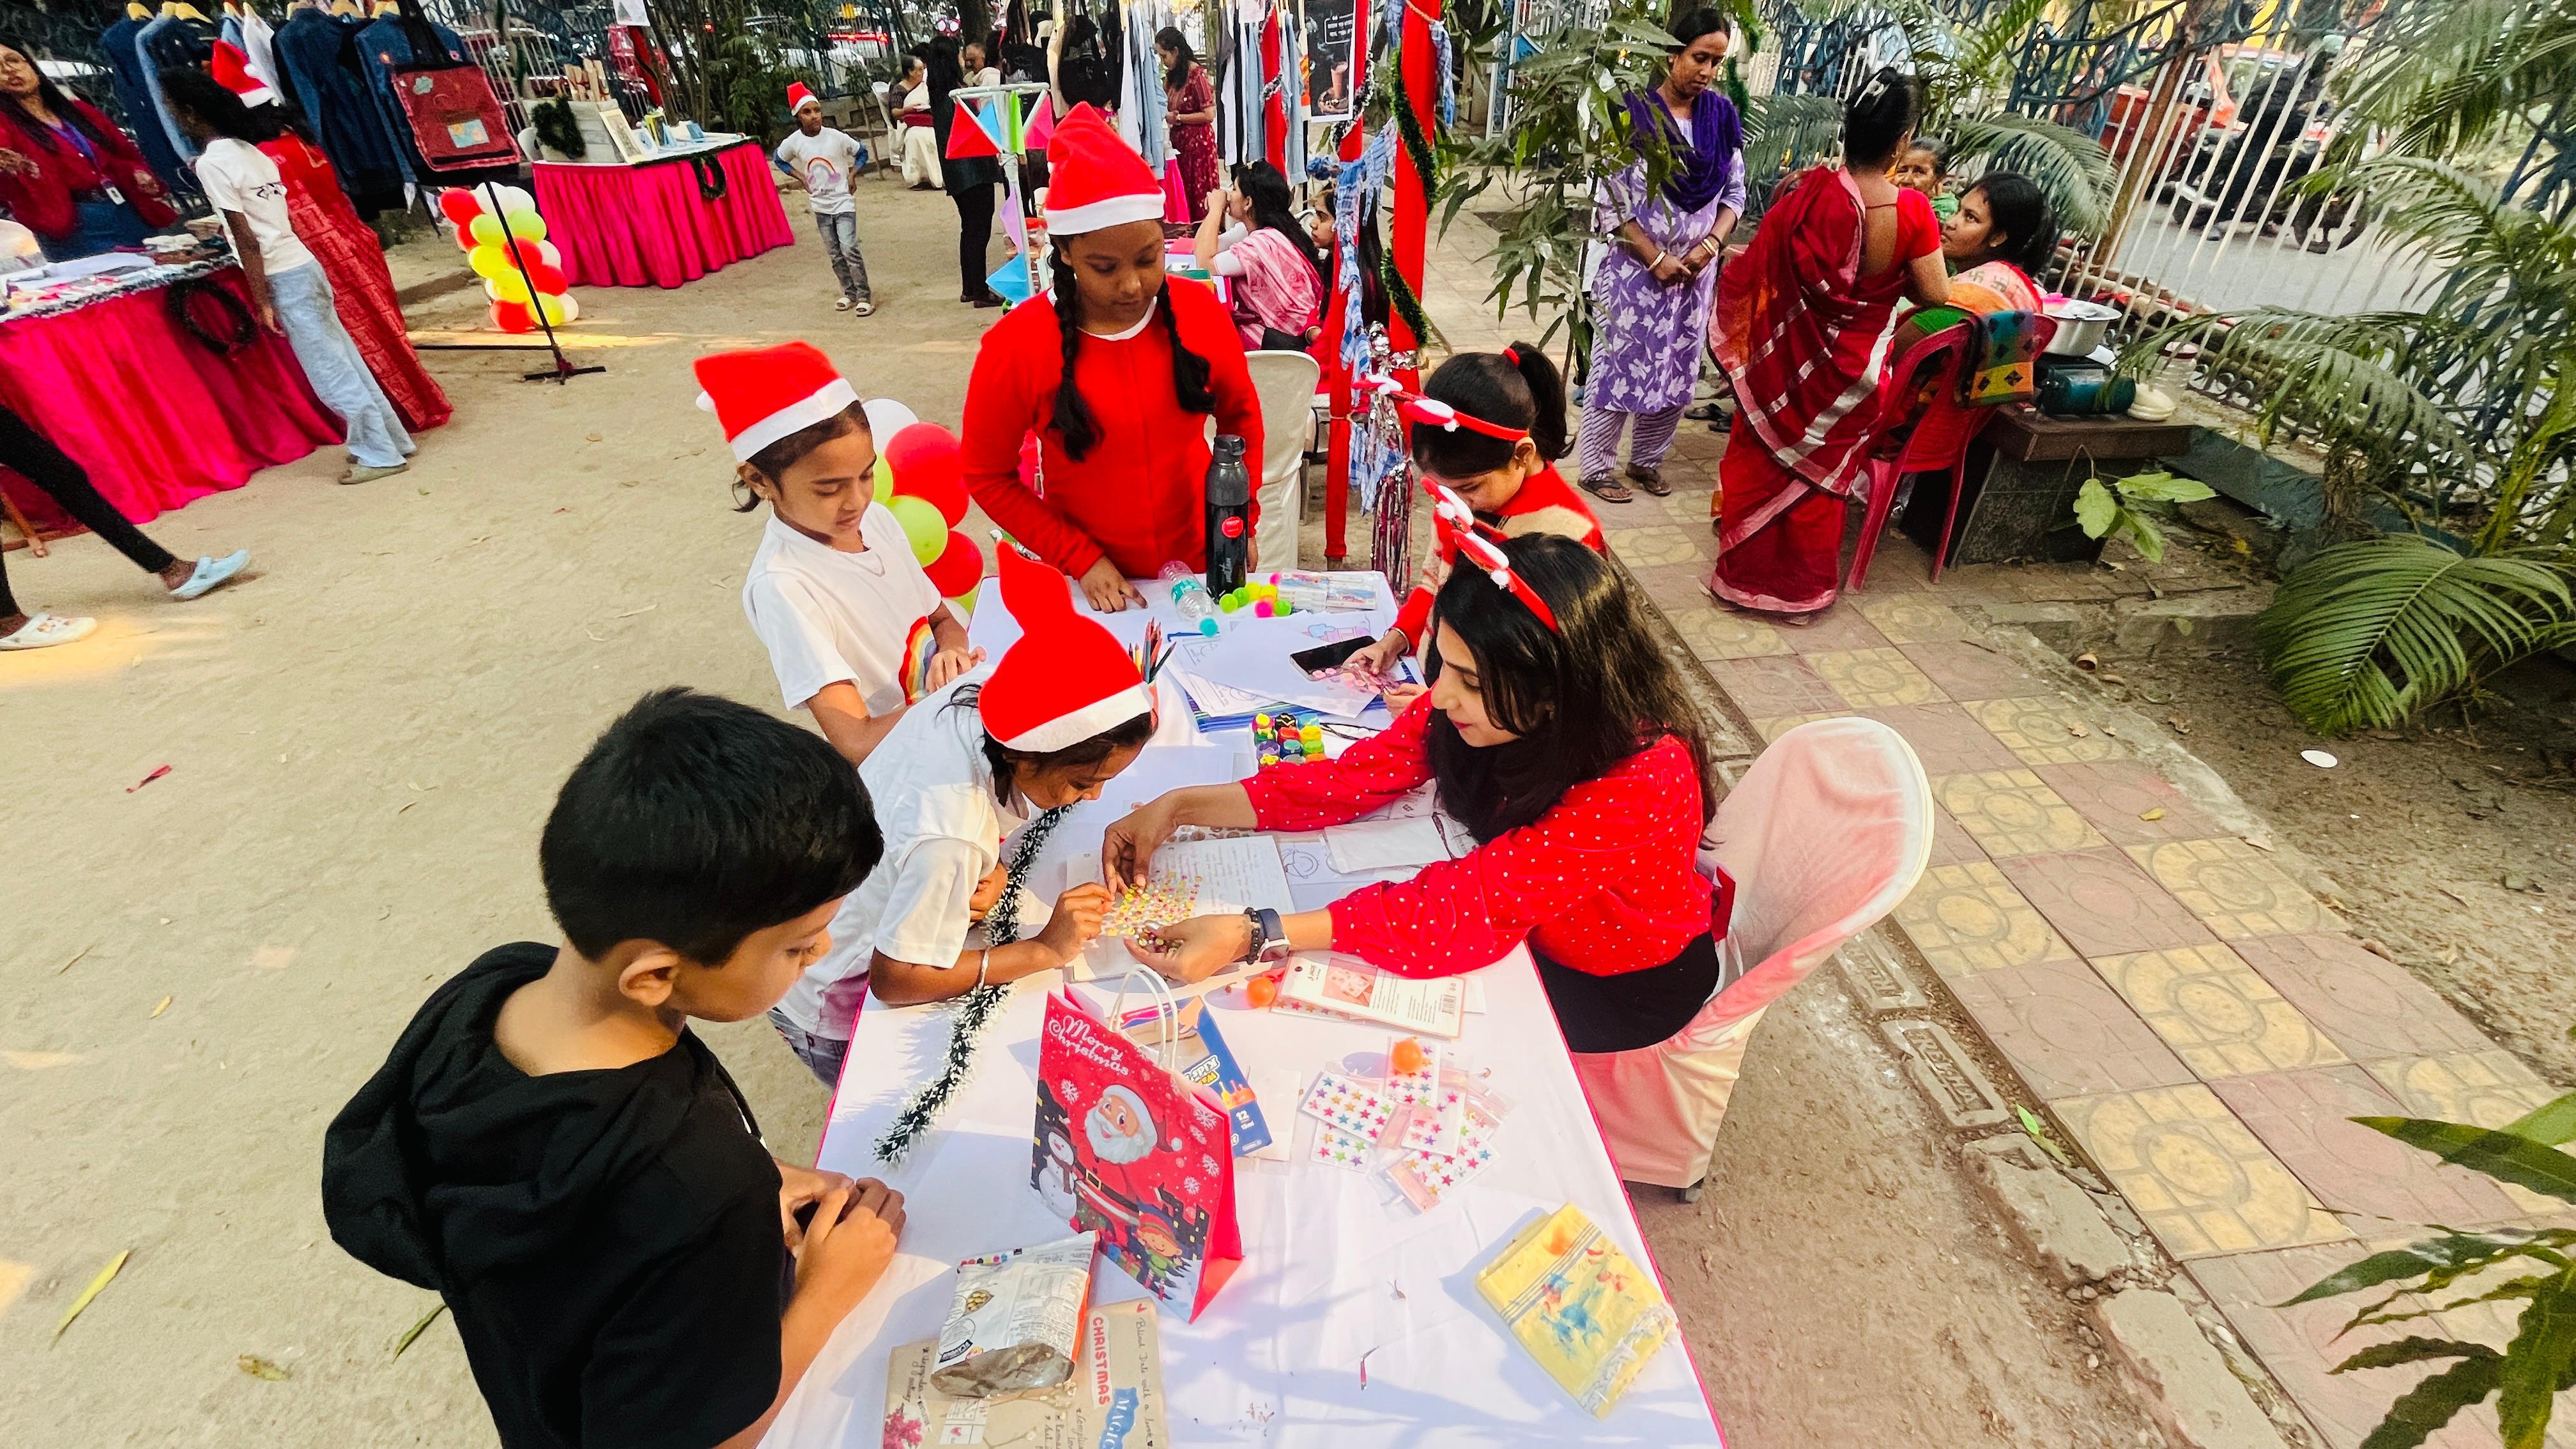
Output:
x,y
969,768
1116,370
855,630
822,160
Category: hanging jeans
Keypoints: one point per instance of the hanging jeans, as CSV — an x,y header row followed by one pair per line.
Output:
x,y
840,234
974,239
331,362
31,454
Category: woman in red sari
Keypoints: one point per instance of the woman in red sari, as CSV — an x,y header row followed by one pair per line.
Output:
x,y
1189,101
1801,328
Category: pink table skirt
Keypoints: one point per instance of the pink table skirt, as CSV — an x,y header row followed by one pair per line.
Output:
x,y
625,226
156,417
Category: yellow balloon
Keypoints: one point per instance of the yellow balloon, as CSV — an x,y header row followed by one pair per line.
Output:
x,y
885,480
487,229
527,226
490,261
510,287
553,308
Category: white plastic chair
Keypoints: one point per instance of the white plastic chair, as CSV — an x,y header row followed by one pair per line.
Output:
x,y
1830,828
1286,382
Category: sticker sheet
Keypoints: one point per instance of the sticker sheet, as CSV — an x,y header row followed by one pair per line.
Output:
x,y
1425,1178
1341,1149
1348,1105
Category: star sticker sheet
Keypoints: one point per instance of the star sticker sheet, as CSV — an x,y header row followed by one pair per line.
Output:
x,y
1348,1105
1425,1178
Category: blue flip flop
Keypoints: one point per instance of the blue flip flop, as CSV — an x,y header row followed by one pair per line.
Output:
x,y
212,574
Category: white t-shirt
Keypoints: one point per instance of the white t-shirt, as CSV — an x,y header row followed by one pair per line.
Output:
x,y
933,794
827,616
237,177
825,162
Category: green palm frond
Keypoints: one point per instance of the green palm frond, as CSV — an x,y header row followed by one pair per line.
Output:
x,y
2366,635
2342,379
2438,77
2069,166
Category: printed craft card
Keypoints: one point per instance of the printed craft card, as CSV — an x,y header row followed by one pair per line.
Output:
x,y
1345,986
1585,1312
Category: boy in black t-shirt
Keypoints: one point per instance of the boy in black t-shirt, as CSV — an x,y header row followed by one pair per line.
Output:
x,y
554,1151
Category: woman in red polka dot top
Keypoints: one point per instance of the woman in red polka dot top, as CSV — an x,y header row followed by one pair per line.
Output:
x,y
1559,736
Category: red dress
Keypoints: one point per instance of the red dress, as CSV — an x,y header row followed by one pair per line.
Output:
x,y
362,287
1139,497
1194,142
1803,336
1605,883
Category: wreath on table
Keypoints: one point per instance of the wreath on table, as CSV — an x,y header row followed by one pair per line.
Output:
x,y
212,313
557,130
711,177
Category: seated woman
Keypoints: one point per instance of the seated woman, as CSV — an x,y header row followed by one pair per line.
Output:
x,y
1560,737
993,757
1278,273
2001,234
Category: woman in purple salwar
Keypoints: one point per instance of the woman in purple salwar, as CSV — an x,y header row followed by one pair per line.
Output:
x,y
1658,268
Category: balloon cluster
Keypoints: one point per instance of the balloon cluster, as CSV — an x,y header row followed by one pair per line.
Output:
x,y
921,481
496,256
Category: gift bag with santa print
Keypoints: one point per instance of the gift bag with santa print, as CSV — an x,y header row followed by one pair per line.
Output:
x,y
1127,1147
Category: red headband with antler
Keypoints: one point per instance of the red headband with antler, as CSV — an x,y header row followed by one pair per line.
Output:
x,y
1422,411
1457,527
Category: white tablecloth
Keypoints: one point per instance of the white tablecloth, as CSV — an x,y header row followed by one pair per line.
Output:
x,y
1353,1322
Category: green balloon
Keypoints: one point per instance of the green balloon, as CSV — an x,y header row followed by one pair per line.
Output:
x,y
885,480
923,525
528,227
486,229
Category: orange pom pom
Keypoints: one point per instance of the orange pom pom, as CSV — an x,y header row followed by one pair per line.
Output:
x,y
1407,1058
1261,991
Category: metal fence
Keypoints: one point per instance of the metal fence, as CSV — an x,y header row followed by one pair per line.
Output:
x,y
2214,113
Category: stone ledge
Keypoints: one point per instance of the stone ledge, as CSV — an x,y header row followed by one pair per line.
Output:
x,y
2188,1385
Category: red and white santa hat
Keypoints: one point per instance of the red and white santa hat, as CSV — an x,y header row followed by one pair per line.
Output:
x,y
762,394
232,70
798,98
1066,678
1095,179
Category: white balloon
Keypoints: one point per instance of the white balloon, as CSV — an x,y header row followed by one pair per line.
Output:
x,y
547,251
491,290
886,417
513,199
571,307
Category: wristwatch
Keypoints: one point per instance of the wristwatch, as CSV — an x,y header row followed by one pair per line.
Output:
x,y
1267,934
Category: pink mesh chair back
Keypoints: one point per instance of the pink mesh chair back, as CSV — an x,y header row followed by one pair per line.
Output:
x,y
1830,828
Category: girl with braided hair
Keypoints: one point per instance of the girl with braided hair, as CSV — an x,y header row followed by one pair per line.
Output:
x,y
1116,371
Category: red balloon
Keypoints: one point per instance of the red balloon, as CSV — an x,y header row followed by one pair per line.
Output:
x,y
459,206
957,568
549,281
513,317
925,463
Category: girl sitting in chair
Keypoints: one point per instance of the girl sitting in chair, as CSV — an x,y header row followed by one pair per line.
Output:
x,y
1558,735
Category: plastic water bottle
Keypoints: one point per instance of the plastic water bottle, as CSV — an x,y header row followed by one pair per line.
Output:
x,y
1229,516
1189,595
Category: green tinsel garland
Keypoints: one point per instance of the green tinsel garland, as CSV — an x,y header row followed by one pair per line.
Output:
x,y
976,1009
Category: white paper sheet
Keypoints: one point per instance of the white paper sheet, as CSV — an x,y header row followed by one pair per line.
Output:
x,y
1407,844
1243,873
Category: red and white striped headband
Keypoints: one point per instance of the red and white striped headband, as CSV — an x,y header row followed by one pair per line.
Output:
x,y
1457,526
1422,411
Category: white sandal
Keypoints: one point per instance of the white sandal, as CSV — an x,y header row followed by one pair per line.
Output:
x,y
865,309
43,630
845,304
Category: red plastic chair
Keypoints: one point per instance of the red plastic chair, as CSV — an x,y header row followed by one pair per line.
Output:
x,y
1938,441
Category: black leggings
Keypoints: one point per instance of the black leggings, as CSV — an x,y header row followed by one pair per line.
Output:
x,y
1635,1008
974,239
27,451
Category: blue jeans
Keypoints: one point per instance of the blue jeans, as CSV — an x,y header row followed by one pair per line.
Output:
x,y
822,1055
104,226
840,233
339,375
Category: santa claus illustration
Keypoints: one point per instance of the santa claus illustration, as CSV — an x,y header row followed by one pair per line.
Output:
x,y
1121,1132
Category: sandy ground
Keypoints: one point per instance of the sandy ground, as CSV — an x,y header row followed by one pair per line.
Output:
x,y
363,739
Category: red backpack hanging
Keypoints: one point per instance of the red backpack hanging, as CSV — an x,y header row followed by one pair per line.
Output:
x,y
457,122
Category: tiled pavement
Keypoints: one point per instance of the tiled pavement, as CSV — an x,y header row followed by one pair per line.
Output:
x,y
2197,1020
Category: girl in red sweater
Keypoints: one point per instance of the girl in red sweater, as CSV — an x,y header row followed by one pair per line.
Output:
x,y
1562,740
1500,459
1116,372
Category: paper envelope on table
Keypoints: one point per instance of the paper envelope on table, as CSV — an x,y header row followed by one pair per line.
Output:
x,y
1113,1401
1589,1316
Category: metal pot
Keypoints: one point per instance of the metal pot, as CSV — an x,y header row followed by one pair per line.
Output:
x,y
2080,326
